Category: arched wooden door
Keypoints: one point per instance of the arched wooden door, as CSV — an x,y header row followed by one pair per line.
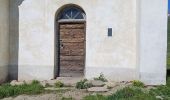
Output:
x,y
71,25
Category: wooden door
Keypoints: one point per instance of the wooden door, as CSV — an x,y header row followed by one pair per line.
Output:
x,y
72,49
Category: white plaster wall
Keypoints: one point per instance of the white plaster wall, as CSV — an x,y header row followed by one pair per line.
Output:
x,y
153,41
36,44
4,38
113,56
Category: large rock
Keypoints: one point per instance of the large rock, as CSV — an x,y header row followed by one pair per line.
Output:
x,y
98,89
28,82
15,82
44,83
49,82
10,98
111,84
69,81
159,98
35,97
97,83
56,89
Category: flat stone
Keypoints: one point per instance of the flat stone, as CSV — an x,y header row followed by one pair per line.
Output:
x,y
43,83
15,82
55,89
51,82
97,83
10,98
35,97
159,97
150,87
111,84
28,82
69,81
98,89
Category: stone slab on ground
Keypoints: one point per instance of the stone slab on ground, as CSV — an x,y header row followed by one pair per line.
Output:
x,y
111,84
37,97
51,82
43,83
69,81
15,82
159,98
57,89
97,83
98,89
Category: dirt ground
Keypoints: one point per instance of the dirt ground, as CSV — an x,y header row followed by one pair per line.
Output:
x,y
67,92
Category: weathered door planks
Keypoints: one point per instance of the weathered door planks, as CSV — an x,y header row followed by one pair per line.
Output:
x,y
72,49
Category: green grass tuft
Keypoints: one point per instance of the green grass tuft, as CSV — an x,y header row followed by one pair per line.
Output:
x,y
138,83
59,84
101,78
95,97
83,84
128,93
131,93
7,90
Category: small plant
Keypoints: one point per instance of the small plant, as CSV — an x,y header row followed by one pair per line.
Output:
x,y
101,78
83,84
35,82
59,84
138,83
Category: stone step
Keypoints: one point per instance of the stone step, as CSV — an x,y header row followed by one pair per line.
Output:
x,y
98,89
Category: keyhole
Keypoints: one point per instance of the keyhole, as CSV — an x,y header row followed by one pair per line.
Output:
x,y
61,46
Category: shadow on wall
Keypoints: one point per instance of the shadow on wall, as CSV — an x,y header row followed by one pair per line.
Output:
x,y
14,38
168,73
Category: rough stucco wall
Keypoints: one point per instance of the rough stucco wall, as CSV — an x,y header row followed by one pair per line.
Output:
x,y
4,38
113,56
36,57
153,41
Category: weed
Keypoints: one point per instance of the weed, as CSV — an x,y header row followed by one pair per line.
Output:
x,y
101,78
163,91
35,82
128,93
7,90
59,84
83,84
138,83
131,93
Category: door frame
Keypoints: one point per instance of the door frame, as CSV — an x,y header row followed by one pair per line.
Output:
x,y
57,44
